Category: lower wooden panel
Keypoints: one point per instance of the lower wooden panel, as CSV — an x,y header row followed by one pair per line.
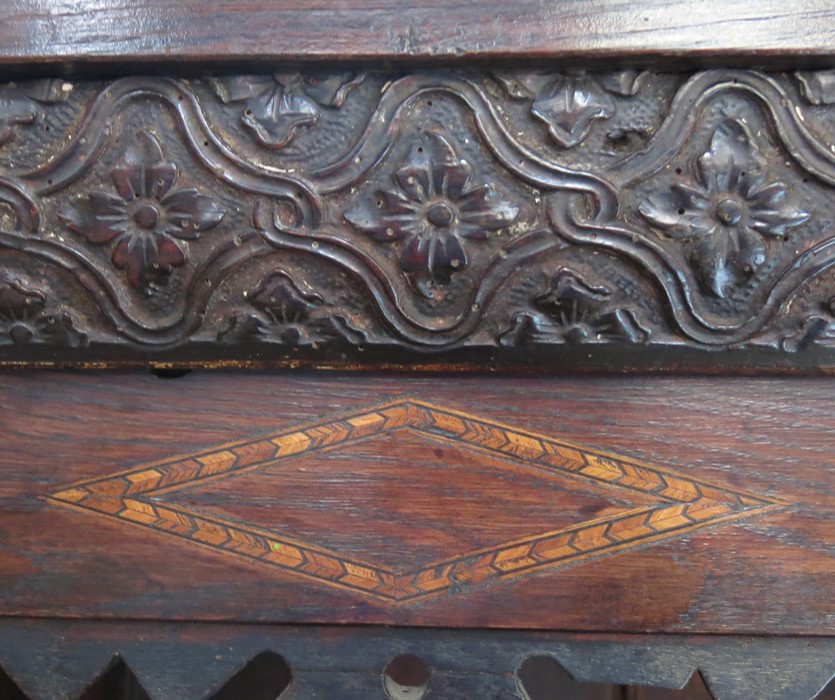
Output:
x,y
597,504
53,660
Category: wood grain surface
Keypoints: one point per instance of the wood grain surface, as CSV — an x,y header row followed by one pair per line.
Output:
x,y
351,663
770,573
89,31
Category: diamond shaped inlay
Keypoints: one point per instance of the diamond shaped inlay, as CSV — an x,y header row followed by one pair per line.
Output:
x,y
590,503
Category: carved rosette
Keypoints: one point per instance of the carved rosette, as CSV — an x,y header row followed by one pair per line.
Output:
x,y
442,211
434,210
146,217
727,210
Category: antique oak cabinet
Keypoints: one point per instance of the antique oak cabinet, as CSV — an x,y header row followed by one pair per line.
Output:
x,y
355,350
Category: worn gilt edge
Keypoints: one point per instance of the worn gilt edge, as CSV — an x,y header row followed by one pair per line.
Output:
x,y
684,504
705,225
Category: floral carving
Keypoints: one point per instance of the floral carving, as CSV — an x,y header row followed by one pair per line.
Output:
x,y
816,328
24,319
20,104
433,208
407,222
726,211
572,311
276,106
818,87
285,312
570,103
147,218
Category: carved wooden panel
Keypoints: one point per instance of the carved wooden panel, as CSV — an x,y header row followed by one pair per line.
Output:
x,y
510,217
85,659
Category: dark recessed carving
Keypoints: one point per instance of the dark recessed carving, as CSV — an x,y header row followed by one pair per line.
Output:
x,y
21,104
664,215
818,87
572,311
25,318
276,106
284,312
569,103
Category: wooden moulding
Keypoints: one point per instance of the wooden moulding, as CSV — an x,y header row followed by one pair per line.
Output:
x,y
349,663
536,217
79,35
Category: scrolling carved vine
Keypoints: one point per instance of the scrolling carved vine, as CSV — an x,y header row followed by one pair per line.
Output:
x,y
623,219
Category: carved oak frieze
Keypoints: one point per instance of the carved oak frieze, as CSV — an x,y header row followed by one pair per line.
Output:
x,y
561,218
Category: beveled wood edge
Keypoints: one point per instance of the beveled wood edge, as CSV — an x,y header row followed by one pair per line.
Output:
x,y
766,32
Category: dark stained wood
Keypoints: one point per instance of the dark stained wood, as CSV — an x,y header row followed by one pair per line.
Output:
x,y
88,31
56,659
696,689
770,572
417,531
516,218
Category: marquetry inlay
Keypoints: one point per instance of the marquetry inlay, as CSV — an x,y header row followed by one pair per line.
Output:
x,y
198,498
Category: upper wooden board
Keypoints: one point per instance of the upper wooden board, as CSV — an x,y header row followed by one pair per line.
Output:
x,y
85,31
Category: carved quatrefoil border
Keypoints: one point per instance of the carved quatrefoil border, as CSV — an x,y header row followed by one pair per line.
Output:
x,y
683,503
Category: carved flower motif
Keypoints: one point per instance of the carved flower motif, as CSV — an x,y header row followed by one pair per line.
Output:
x,y
19,104
434,208
726,211
289,313
818,328
570,103
277,105
574,312
146,217
24,320
818,87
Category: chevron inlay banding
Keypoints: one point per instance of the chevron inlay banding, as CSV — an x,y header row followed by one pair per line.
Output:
x,y
643,503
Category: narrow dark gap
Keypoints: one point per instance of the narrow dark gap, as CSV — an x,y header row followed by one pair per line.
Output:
x,y
169,372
